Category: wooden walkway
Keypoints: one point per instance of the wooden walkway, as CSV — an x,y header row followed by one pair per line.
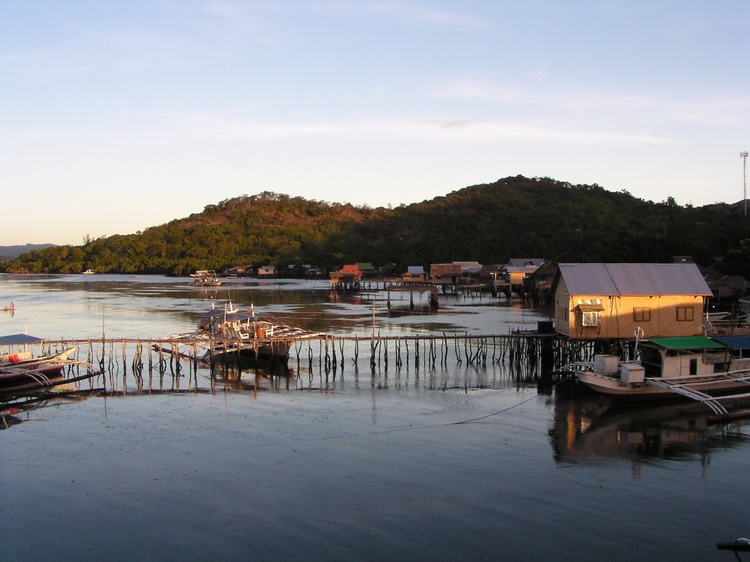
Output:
x,y
522,353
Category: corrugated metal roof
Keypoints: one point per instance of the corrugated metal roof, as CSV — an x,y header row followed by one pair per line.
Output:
x,y
523,262
633,279
735,342
687,342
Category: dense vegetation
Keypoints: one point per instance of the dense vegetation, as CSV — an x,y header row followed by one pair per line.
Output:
x,y
513,217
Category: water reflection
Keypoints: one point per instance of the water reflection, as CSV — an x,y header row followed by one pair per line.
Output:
x,y
250,374
588,430
18,411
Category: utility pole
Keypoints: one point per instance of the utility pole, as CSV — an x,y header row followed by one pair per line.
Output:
x,y
743,155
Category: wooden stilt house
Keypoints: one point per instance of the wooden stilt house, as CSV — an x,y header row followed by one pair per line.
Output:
x,y
614,300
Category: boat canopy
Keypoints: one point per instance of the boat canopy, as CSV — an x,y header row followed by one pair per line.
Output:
x,y
687,342
19,339
735,342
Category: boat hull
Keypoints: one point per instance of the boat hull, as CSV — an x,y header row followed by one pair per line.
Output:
x,y
617,390
41,373
255,349
49,365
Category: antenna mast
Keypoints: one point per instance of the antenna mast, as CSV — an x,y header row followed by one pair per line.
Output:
x,y
743,155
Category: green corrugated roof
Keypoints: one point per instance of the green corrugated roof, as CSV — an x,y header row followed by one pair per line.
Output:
x,y
688,342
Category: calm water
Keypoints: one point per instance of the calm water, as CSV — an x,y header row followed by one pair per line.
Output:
x,y
452,462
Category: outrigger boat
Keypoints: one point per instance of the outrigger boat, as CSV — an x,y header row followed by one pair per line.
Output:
x,y
205,278
235,332
21,372
699,368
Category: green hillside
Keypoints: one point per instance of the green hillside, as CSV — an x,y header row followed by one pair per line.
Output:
x,y
490,223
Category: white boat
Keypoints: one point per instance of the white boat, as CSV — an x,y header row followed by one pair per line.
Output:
x,y
89,272
21,372
238,332
207,282
699,368
205,278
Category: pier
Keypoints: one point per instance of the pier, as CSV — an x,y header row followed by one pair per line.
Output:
x,y
521,356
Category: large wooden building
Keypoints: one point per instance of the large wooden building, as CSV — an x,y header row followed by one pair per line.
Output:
x,y
614,300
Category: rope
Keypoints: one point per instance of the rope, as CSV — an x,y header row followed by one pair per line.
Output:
x,y
503,410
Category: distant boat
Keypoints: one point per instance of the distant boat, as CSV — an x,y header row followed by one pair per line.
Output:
x,y
205,278
206,282
89,272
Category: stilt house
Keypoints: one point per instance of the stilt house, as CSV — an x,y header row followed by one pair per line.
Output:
x,y
614,300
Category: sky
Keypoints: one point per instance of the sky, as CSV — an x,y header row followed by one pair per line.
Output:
x,y
124,114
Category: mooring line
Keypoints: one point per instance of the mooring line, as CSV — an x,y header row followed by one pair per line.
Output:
x,y
380,432
503,410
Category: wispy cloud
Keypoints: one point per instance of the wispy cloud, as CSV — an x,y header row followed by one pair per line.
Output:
x,y
214,128
250,13
402,12
720,108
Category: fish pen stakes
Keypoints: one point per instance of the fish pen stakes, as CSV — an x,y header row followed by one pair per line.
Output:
x,y
176,362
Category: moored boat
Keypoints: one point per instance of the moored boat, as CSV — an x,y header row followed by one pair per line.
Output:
x,y
21,372
696,367
239,332
205,278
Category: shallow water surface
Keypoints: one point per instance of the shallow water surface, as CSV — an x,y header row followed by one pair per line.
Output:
x,y
456,462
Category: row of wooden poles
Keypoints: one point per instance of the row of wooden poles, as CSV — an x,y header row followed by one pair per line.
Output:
x,y
525,355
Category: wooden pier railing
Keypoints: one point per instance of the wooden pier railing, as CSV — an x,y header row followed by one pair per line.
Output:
x,y
526,354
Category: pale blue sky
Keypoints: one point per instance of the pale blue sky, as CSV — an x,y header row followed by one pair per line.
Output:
x,y
120,115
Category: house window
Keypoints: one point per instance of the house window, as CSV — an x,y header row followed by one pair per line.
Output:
x,y
592,318
591,312
641,314
685,313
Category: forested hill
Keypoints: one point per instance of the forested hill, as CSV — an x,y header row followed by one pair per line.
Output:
x,y
513,217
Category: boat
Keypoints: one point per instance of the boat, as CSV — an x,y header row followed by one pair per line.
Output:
x,y
695,367
89,272
205,278
207,282
738,545
232,332
22,372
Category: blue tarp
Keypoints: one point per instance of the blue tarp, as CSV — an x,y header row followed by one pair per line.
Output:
x,y
735,342
19,339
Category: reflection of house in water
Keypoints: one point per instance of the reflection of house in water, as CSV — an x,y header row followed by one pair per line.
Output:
x,y
611,300
586,431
